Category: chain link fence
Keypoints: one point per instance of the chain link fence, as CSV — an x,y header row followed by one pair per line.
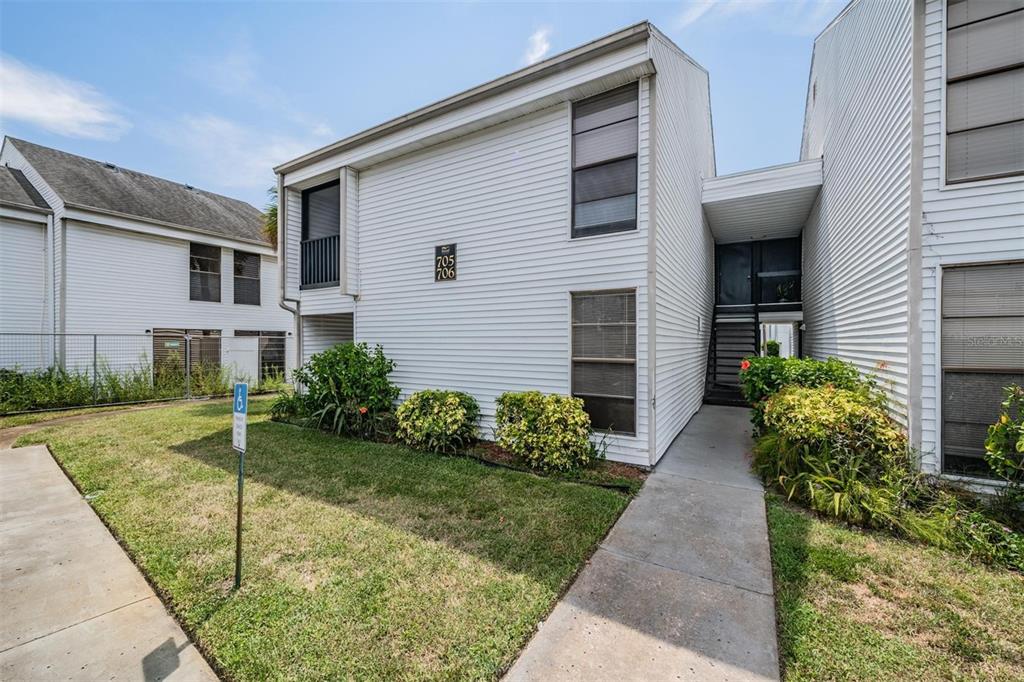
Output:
x,y
54,371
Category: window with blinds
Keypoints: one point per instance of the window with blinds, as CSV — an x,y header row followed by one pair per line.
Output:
x,y
604,162
984,89
204,272
982,351
272,352
604,358
247,278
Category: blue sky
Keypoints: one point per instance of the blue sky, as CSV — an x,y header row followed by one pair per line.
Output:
x,y
215,94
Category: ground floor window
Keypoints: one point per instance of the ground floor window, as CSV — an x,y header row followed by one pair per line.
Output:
x,y
604,358
272,352
982,352
170,350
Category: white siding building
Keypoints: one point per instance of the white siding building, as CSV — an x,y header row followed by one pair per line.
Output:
x,y
140,261
568,195
913,253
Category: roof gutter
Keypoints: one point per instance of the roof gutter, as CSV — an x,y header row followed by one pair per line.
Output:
x,y
633,34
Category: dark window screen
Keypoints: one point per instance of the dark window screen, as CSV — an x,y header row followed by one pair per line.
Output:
x,y
247,278
204,272
604,358
604,158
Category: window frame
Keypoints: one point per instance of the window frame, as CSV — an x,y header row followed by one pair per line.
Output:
x,y
573,169
235,277
979,180
304,233
218,272
940,370
633,361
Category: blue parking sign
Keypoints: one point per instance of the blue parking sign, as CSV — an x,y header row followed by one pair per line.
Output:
x,y
240,409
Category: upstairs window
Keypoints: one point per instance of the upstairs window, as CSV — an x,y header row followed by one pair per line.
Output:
x,y
321,235
984,89
321,211
604,358
247,278
604,162
204,272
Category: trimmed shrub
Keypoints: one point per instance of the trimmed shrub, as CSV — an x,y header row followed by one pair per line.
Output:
x,y
772,348
761,378
1004,453
347,389
438,421
550,432
836,451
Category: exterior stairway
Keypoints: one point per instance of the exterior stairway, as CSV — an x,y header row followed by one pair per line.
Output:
x,y
733,337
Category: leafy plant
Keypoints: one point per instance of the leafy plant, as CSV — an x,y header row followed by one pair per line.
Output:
x,y
1004,451
550,432
347,389
762,377
772,348
438,421
287,406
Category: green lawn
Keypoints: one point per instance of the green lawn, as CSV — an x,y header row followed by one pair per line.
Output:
x,y
855,605
361,560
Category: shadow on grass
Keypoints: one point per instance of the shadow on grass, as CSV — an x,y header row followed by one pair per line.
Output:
x,y
538,527
792,566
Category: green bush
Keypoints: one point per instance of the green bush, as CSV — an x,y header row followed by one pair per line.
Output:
x,y
438,421
772,348
347,390
836,451
762,377
550,432
1004,453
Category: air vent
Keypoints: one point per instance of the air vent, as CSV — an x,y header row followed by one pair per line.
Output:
x,y
189,187
109,165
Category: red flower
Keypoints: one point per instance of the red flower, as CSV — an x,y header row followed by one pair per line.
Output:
x,y
745,365
363,410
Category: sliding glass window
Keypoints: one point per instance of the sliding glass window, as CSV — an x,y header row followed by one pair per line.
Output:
x,y
604,162
984,89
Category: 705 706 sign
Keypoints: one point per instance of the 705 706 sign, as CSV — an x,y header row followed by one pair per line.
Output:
x,y
444,263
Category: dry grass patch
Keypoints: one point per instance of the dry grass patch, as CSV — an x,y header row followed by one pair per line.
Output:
x,y
855,605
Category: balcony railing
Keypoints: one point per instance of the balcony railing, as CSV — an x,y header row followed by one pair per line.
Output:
x,y
320,262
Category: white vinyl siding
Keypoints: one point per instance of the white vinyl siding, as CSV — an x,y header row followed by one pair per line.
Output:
x,y
855,243
320,332
967,223
684,248
23,294
154,273
503,196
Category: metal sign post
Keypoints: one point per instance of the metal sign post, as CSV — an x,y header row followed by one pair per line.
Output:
x,y
240,407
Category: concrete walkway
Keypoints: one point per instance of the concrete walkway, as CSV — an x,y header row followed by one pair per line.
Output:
x,y
73,605
681,589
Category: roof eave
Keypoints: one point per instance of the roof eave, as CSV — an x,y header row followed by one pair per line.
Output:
x,y
162,223
627,36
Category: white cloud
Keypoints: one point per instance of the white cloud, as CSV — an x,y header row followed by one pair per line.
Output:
x,y
799,17
538,46
234,155
56,104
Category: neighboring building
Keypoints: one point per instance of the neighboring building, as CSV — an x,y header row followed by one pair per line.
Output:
x,y
541,231
92,248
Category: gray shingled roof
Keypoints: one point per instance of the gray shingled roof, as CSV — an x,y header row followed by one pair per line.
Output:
x,y
94,184
16,189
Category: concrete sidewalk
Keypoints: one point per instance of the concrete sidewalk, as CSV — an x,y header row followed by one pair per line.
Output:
x,y
74,605
681,589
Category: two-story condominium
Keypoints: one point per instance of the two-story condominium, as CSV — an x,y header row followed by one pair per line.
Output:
x,y
562,228
541,231
90,248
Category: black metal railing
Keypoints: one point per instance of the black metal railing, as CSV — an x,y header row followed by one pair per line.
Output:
x,y
320,262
